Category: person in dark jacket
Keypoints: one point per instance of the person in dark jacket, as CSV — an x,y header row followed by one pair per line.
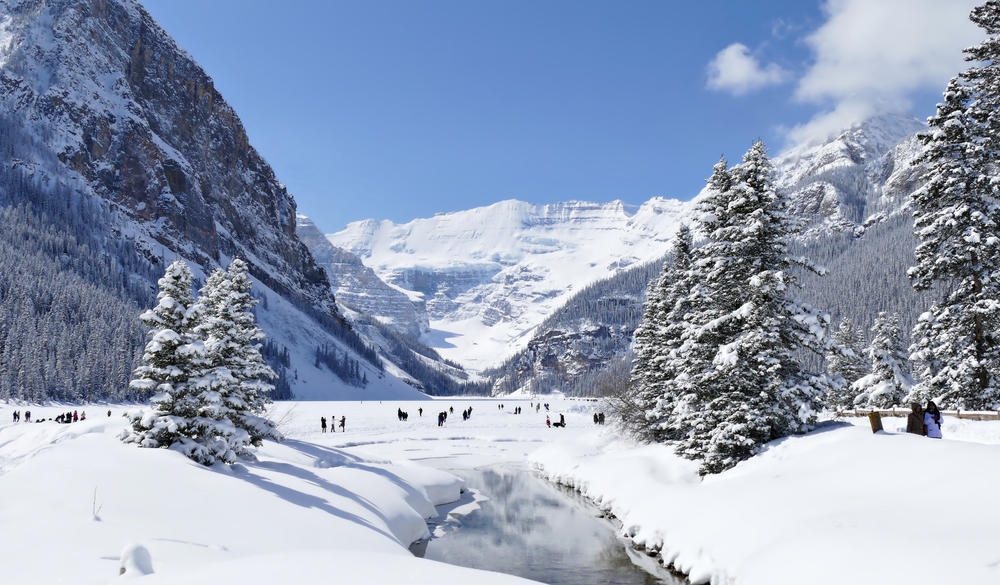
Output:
x,y
932,420
915,420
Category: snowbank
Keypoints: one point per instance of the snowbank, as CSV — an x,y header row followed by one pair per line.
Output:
x,y
839,505
77,506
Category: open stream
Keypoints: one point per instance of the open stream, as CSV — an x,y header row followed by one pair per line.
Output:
x,y
511,521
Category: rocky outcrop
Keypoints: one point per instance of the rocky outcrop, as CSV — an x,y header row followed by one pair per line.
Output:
x,y
359,289
103,87
856,178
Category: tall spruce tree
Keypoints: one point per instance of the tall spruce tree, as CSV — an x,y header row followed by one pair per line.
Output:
x,y
169,364
705,304
889,380
956,222
657,339
754,388
236,376
846,363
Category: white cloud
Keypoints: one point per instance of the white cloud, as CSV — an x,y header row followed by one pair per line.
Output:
x,y
735,70
871,55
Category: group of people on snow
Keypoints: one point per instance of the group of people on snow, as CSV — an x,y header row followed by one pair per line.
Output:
x,y
65,417
924,421
333,424
560,424
442,417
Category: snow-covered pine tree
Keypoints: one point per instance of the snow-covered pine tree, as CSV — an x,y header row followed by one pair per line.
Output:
x,y
236,380
656,339
846,363
706,302
644,379
889,381
754,389
956,224
170,362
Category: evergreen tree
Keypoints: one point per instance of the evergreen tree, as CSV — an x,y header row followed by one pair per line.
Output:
x,y
206,368
170,363
236,378
700,337
657,338
889,380
746,384
846,363
956,224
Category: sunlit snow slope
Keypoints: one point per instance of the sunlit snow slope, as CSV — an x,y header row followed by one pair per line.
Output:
x,y
489,275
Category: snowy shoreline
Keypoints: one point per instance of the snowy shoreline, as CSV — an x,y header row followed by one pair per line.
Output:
x,y
818,508
75,497
836,505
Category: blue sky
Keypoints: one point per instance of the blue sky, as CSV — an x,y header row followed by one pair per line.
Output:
x,y
398,109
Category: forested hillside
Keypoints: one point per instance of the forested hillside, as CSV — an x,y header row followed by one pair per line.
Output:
x,y
574,346
69,298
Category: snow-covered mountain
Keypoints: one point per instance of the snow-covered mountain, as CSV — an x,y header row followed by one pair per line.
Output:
x,y
856,178
116,144
491,275
359,290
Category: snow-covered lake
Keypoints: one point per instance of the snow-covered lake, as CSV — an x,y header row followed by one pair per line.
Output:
x,y
838,505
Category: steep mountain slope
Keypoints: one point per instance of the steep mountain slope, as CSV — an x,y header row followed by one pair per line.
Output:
x,y
387,319
359,289
99,108
855,179
578,342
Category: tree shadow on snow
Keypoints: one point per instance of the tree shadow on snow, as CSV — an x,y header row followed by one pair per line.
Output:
x,y
245,471
323,456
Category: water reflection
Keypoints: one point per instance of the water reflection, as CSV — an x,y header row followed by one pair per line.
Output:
x,y
527,527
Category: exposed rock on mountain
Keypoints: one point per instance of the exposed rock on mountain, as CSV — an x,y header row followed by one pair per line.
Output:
x,y
856,178
105,90
359,289
100,108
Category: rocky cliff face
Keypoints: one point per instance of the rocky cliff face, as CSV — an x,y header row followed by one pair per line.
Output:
x,y
359,289
98,104
855,179
104,89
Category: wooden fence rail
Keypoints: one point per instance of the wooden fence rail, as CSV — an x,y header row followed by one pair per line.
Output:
x,y
966,414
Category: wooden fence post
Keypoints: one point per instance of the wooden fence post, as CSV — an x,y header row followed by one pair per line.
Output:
x,y
876,421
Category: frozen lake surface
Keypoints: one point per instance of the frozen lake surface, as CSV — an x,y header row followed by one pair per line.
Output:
x,y
524,526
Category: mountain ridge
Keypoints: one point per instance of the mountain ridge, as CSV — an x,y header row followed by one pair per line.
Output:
x,y
501,269
854,181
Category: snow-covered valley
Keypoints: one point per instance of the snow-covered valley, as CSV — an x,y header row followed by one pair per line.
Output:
x,y
839,504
